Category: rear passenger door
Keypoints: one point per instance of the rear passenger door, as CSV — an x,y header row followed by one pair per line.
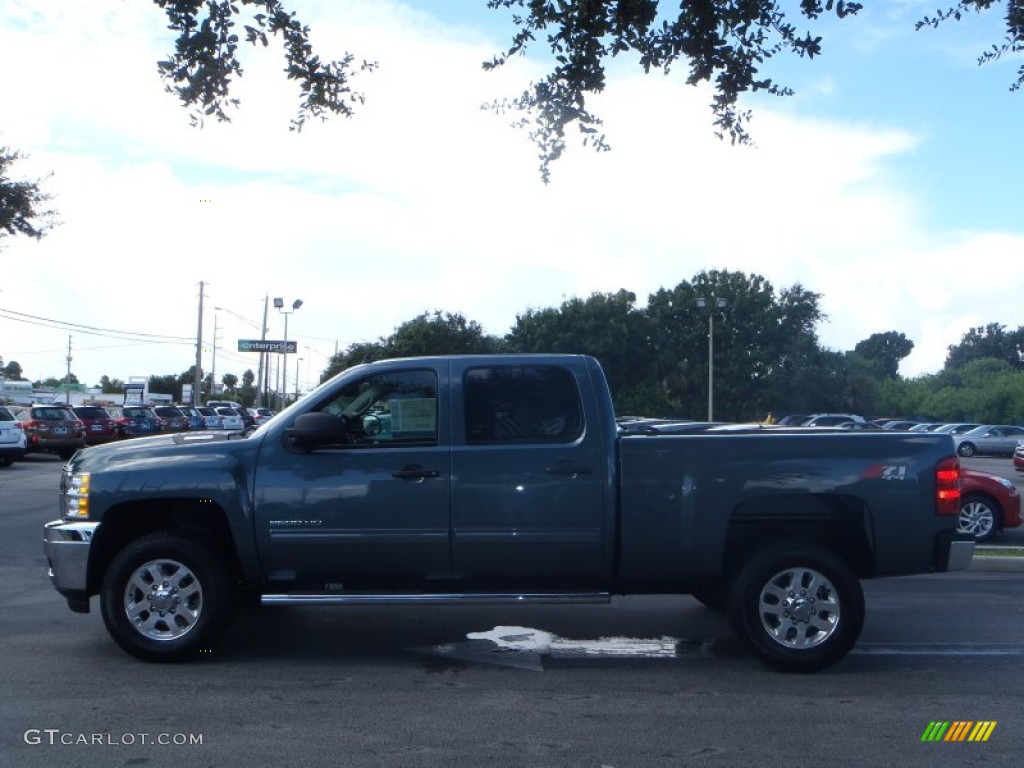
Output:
x,y
528,478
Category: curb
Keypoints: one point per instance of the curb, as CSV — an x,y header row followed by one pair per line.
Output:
x,y
985,562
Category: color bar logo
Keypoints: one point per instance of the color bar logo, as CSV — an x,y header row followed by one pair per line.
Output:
x,y
958,730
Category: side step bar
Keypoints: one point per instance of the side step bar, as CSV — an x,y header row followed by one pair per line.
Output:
x,y
435,599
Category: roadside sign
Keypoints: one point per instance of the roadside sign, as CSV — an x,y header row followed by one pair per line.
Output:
x,y
266,345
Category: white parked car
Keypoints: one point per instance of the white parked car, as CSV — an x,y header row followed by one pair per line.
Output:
x,y
12,438
231,419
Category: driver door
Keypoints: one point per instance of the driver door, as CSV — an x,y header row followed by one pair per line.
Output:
x,y
372,510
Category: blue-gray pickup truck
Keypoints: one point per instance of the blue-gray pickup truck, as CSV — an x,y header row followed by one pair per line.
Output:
x,y
499,479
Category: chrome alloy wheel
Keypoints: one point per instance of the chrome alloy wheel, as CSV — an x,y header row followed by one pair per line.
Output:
x,y
799,608
163,599
977,519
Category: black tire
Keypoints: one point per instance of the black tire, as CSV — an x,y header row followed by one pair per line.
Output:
x,y
6,461
797,608
167,597
966,449
980,516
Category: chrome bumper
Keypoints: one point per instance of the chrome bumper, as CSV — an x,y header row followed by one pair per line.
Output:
x,y
67,552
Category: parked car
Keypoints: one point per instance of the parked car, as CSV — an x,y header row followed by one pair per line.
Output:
x,y
1018,456
793,419
100,427
989,440
832,419
956,429
136,421
12,438
230,418
900,425
195,419
988,504
247,419
211,419
52,428
171,419
260,415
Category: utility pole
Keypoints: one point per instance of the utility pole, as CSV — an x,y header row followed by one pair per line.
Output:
x,y
213,364
197,390
263,378
67,378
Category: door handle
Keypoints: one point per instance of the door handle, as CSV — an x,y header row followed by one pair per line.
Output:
x,y
566,468
415,472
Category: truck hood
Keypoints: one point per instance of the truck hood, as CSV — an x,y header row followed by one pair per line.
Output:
x,y
143,450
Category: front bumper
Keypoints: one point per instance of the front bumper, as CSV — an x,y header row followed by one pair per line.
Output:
x,y
67,552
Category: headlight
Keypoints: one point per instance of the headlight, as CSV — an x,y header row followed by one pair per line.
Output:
x,y
76,495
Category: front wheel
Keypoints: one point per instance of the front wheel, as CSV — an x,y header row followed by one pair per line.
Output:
x,y
166,597
798,609
966,449
978,517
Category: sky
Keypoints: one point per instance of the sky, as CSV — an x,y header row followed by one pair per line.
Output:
x,y
888,184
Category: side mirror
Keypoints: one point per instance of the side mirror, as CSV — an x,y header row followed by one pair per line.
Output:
x,y
313,429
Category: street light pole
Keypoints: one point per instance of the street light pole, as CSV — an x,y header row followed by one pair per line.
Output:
x,y
297,361
715,304
279,306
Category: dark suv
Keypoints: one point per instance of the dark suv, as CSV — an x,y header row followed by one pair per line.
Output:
x,y
172,419
53,428
99,426
136,421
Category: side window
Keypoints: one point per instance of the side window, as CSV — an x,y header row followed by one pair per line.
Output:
x,y
522,404
389,409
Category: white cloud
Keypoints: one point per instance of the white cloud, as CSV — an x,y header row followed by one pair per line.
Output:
x,y
423,201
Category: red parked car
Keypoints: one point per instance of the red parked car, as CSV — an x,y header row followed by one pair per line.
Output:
x,y
988,504
100,426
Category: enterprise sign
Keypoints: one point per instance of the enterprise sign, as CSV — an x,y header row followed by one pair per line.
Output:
x,y
258,345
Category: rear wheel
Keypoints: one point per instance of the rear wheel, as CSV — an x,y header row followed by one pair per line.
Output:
x,y
167,597
966,449
979,516
798,609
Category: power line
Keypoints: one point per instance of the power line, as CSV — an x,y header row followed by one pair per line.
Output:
x,y
134,336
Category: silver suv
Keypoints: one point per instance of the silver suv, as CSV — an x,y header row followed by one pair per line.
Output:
x,y
12,438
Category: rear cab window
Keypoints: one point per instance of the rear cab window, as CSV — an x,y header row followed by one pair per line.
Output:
x,y
521,404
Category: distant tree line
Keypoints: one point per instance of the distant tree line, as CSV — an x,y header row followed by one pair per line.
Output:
x,y
767,356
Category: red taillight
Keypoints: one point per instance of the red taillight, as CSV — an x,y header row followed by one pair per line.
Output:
x,y
947,487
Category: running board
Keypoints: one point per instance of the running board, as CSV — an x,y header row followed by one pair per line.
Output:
x,y
435,599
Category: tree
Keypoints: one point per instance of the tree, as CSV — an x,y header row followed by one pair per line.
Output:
x,y
22,203
165,385
606,325
12,371
247,392
230,381
724,41
110,386
762,343
205,60
992,341
885,349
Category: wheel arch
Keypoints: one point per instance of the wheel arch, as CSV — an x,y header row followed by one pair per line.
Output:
x,y
837,523
124,523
